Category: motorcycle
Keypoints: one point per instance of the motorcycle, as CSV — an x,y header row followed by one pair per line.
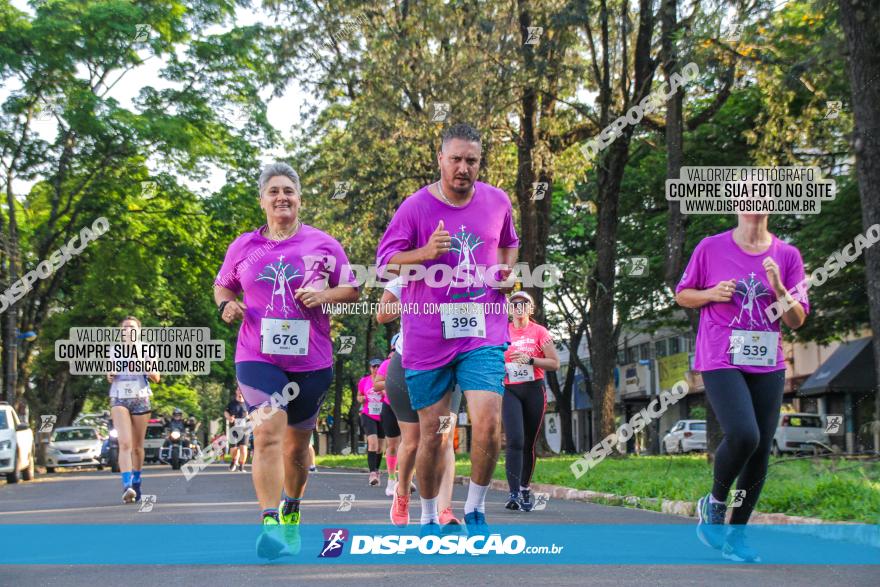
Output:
x,y
180,445
110,448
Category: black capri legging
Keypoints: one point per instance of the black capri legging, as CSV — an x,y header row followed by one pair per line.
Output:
x,y
371,426
747,407
522,411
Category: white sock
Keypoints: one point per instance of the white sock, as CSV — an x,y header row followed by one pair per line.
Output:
x,y
429,511
521,488
713,500
476,499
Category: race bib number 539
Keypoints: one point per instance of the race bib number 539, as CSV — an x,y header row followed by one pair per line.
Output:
x,y
751,347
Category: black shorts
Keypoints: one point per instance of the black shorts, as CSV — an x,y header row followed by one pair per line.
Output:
x,y
389,422
372,427
238,436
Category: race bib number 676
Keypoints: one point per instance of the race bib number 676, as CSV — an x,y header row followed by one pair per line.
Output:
x,y
284,337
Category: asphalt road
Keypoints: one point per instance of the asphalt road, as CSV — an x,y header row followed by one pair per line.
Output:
x,y
216,496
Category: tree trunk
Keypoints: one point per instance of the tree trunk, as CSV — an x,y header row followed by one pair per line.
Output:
x,y
602,332
563,404
860,20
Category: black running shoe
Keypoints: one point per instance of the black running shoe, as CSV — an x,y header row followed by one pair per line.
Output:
x,y
512,501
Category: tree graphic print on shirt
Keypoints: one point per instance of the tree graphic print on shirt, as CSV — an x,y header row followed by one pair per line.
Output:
x,y
280,274
751,292
466,270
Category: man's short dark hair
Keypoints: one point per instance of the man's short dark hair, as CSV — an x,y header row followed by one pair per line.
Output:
x,y
462,131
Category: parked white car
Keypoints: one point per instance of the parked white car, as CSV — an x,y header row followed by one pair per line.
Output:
x,y
684,437
74,446
16,446
799,433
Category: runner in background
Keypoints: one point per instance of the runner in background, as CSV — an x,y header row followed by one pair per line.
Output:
x,y
389,425
732,278
130,410
408,420
531,352
371,420
237,437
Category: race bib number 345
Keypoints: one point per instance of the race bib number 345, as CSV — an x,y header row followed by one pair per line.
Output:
x,y
284,337
752,347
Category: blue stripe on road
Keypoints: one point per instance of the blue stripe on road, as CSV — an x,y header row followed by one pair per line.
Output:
x,y
572,544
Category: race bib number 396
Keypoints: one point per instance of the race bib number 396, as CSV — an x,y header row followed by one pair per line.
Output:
x,y
284,337
463,321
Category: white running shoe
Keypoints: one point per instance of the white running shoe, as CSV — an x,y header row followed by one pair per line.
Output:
x,y
389,489
129,496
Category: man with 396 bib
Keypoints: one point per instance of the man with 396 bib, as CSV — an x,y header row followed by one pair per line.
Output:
x,y
460,233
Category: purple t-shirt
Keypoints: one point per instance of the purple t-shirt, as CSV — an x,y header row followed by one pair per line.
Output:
x,y
478,230
269,273
718,258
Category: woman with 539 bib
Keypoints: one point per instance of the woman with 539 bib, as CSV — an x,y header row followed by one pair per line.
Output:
x,y
733,278
285,270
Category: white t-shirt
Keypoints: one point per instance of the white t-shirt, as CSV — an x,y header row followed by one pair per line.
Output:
x,y
395,286
128,385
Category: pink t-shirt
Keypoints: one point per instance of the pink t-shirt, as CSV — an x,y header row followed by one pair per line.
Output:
x,y
269,273
383,371
718,258
529,340
365,387
478,230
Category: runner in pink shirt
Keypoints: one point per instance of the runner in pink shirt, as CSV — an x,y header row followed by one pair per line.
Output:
x,y
734,278
284,272
460,232
371,420
530,353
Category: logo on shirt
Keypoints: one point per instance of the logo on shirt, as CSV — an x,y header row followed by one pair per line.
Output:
x,y
280,275
466,269
750,294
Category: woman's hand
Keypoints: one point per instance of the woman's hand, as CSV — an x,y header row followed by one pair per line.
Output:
x,y
773,276
722,292
310,297
519,357
233,311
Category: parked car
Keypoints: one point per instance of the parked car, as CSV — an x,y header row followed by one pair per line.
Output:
x,y
684,437
100,421
74,446
799,432
16,446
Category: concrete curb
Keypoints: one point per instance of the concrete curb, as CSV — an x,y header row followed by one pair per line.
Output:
x,y
867,535
685,509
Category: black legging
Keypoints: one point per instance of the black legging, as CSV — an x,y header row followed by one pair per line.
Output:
x,y
747,407
522,410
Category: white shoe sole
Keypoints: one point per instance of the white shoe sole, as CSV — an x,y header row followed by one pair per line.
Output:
x,y
129,496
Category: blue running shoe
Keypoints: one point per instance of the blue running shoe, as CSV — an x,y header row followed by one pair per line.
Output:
x,y
736,549
476,523
525,500
711,529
